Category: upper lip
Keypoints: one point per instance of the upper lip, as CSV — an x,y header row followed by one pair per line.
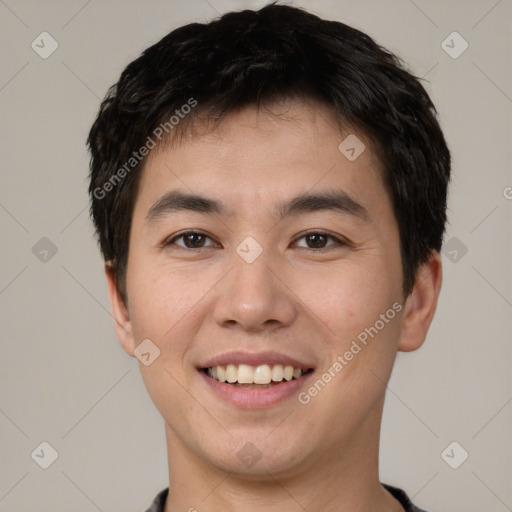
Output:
x,y
254,359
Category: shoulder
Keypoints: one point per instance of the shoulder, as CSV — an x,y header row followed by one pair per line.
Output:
x,y
158,504
404,500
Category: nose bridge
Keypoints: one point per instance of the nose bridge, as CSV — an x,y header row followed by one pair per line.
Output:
x,y
253,297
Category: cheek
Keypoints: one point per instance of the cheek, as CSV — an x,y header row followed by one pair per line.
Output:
x,y
169,307
347,299
165,309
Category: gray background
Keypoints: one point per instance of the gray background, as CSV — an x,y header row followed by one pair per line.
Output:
x,y
64,377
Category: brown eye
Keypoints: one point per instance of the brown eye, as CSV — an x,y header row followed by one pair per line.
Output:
x,y
191,240
318,240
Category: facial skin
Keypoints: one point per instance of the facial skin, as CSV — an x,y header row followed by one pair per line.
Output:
x,y
308,303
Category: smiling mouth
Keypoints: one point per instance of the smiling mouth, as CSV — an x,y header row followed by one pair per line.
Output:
x,y
259,377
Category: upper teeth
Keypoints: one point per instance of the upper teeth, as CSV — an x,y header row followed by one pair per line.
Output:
x,y
262,374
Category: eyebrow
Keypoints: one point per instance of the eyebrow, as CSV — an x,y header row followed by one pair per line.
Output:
x,y
175,201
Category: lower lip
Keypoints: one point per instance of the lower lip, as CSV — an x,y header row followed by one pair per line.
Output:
x,y
252,398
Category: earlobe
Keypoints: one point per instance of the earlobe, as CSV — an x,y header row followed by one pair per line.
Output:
x,y
421,304
120,312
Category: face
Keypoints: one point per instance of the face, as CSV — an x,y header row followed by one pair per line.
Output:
x,y
261,244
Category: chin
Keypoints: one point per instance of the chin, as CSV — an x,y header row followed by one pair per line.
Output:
x,y
256,456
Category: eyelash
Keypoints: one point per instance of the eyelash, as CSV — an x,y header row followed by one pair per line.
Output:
x,y
338,241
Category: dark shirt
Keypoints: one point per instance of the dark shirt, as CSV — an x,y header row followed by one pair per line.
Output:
x,y
159,502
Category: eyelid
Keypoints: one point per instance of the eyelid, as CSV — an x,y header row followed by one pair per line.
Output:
x,y
339,240
172,239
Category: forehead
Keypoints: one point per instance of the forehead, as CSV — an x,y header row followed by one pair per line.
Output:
x,y
263,153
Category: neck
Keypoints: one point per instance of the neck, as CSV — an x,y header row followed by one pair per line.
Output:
x,y
338,480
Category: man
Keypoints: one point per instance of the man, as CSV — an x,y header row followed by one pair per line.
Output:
x,y
269,192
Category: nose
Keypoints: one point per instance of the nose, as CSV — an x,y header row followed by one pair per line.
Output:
x,y
254,298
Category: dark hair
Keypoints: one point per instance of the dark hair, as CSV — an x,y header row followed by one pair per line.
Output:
x,y
256,57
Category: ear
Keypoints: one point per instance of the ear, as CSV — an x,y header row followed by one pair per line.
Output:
x,y
120,311
420,305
